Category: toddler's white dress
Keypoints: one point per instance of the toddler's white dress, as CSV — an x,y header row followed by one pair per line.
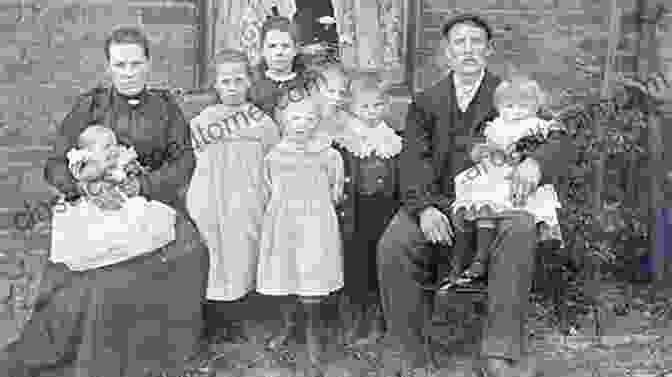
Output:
x,y
301,251
488,182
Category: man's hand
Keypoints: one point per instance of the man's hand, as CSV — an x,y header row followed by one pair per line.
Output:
x,y
436,226
524,181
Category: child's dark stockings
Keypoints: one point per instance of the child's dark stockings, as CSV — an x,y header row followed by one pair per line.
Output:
x,y
485,235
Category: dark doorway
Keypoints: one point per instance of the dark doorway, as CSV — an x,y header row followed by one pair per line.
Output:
x,y
310,29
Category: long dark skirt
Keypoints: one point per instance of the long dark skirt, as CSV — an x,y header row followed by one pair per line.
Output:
x,y
122,320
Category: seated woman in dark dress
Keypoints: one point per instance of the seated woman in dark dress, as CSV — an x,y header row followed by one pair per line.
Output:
x,y
140,317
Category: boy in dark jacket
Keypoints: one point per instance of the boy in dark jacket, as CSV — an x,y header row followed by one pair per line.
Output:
x,y
370,149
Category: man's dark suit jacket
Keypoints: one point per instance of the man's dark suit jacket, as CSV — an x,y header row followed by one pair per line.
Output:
x,y
439,137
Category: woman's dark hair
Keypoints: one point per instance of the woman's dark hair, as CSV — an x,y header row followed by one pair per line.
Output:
x,y
282,24
279,23
127,35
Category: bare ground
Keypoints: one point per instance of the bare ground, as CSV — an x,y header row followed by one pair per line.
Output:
x,y
637,344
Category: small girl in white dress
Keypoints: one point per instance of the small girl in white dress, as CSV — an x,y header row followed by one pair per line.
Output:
x,y
88,234
300,243
484,190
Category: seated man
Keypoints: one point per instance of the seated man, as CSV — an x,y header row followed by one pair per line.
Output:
x,y
438,122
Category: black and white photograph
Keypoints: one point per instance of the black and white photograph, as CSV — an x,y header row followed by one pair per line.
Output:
x,y
334,188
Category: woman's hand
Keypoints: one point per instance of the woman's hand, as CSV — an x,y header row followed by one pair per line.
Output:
x,y
130,186
109,199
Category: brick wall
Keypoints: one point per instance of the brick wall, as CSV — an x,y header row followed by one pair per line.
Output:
x,y
562,42
52,51
49,53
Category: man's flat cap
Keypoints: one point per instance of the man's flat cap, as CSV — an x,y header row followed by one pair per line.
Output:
x,y
467,18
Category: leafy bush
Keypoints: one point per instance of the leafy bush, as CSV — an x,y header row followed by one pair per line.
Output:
x,y
610,242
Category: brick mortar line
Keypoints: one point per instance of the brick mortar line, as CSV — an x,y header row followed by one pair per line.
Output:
x,y
25,148
169,27
514,12
17,165
162,4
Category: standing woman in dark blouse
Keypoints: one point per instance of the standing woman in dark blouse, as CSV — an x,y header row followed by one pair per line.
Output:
x,y
140,317
282,69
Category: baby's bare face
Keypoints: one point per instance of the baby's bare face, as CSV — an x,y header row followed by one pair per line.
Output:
x,y
370,106
334,87
102,145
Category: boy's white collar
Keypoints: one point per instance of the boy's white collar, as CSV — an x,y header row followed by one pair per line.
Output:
x,y
280,77
363,141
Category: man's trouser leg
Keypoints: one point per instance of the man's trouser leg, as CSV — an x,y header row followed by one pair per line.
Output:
x,y
510,278
405,261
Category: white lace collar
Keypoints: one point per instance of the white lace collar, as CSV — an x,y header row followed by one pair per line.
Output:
x,y
280,78
363,141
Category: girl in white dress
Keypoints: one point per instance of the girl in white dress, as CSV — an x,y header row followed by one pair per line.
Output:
x,y
227,196
301,245
484,190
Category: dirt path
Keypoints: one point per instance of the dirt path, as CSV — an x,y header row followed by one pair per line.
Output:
x,y
638,344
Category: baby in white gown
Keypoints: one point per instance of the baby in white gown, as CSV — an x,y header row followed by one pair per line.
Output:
x,y
86,234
